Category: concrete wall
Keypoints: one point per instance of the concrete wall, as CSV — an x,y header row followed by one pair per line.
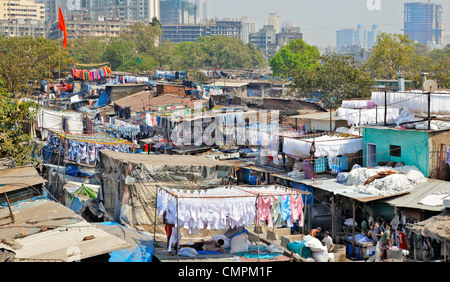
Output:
x,y
414,146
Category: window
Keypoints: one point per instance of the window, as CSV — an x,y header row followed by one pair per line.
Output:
x,y
395,151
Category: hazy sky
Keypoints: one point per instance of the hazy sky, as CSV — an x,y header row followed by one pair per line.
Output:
x,y
319,19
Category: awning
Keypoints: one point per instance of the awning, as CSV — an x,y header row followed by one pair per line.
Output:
x,y
418,193
18,178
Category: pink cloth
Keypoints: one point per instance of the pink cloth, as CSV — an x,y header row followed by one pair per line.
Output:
x,y
264,206
296,208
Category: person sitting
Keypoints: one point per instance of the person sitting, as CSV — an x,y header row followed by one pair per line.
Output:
x,y
210,245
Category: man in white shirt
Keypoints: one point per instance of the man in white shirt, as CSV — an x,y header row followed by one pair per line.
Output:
x,y
327,241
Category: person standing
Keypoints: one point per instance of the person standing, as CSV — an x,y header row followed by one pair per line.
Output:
x,y
386,240
401,238
328,241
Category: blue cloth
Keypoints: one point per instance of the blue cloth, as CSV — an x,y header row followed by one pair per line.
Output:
x,y
253,253
360,238
320,165
343,163
285,210
208,252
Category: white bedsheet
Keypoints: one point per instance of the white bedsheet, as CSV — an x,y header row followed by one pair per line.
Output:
x,y
326,146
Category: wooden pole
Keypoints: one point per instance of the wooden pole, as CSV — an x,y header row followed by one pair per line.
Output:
x,y
429,110
333,213
385,108
440,161
154,223
331,122
353,228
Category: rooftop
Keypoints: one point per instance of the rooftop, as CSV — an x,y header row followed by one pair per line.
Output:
x,y
48,231
144,100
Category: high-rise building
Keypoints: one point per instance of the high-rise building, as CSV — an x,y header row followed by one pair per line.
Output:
x,y
288,34
203,11
361,36
274,21
423,22
21,9
248,27
178,12
345,37
138,10
266,40
177,33
22,17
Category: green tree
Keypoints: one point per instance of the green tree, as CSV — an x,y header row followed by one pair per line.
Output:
x,y
119,52
214,51
87,50
14,115
25,59
337,78
144,36
391,54
294,56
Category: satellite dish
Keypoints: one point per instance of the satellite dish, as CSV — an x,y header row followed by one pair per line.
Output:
x,y
429,86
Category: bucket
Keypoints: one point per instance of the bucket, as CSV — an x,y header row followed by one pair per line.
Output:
x,y
339,253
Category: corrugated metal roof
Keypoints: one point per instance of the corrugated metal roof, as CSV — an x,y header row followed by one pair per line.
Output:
x,y
19,177
328,183
66,238
420,192
69,243
143,100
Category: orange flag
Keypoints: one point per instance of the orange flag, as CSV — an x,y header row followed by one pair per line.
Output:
x,y
62,26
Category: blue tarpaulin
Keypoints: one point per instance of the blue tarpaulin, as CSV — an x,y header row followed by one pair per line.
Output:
x,y
104,99
303,187
141,251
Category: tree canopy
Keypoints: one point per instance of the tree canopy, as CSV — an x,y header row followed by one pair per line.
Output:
x,y
138,48
396,54
336,78
14,115
294,56
27,59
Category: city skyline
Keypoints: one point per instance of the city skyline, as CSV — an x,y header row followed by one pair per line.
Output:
x,y
319,27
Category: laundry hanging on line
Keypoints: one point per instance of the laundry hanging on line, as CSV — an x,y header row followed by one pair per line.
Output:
x,y
91,75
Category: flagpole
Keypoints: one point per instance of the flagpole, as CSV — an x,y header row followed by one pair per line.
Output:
x,y
59,45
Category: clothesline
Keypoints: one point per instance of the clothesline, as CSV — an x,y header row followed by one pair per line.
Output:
x,y
210,208
242,191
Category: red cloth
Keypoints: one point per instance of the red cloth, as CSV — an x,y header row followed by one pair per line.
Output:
x,y
62,26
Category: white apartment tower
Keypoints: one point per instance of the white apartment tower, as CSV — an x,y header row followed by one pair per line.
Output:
x,y
248,27
203,11
153,9
273,20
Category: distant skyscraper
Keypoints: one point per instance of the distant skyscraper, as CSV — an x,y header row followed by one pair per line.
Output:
x,y
274,21
373,36
345,37
361,36
203,10
153,9
178,12
248,27
423,22
139,10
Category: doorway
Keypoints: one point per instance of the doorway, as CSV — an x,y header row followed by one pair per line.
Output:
x,y
371,155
